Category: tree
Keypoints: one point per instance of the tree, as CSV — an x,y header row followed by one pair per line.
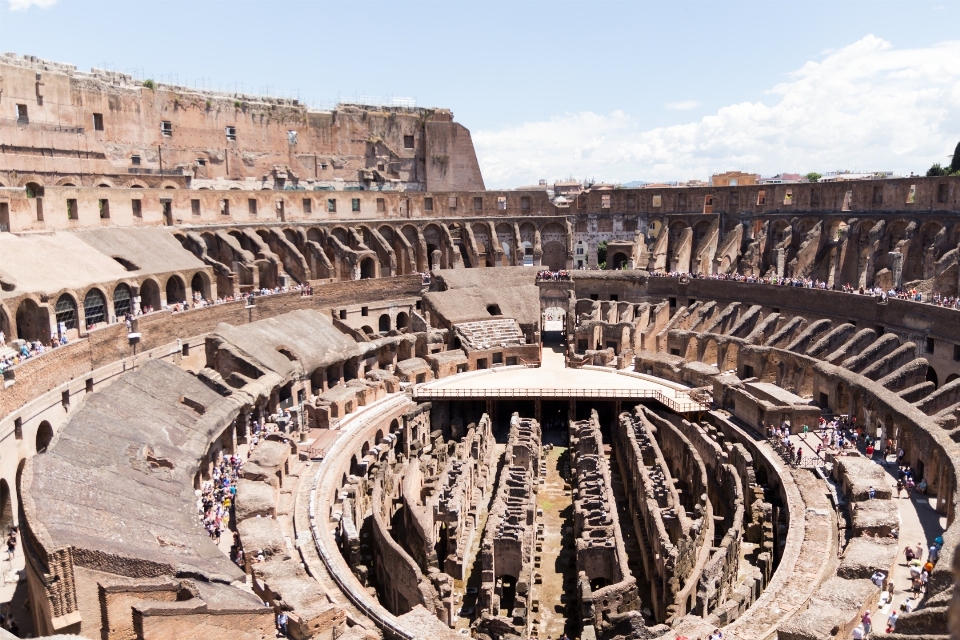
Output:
x,y
955,163
813,176
149,84
602,255
937,170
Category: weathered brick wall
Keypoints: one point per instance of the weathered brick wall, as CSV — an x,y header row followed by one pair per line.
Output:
x,y
110,344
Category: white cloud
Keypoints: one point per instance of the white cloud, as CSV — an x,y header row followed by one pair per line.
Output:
x,y
683,105
866,106
23,5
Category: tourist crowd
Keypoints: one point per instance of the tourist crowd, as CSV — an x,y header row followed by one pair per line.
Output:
x,y
27,350
546,274
952,302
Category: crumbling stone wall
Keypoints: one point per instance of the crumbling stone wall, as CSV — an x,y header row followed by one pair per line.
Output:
x,y
605,585
508,545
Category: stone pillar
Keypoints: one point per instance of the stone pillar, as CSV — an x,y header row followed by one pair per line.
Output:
x,y
779,258
896,268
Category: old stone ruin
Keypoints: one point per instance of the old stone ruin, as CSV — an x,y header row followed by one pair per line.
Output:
x,y
509,542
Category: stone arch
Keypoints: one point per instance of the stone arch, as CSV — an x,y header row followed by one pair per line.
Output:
x,y
30,325
618,261
135,183
176,290
842,399
951,378
383,323
368,268
368,330
505,241
122,300
149,295
200,283
169,184
554,256
921,264
403,320
933,377
711,351
66,311
730,356
44,436
34,188
772,369
69,181
693,347
94,307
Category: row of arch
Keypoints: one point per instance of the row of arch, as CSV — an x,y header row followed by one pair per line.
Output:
x,y
31,323
35,184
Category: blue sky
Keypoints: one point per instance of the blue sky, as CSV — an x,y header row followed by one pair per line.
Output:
x,y
615,91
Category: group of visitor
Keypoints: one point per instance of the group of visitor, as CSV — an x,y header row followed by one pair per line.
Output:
x,y
912,294
919,576
547,275
217,495
779,437
424,277
28,350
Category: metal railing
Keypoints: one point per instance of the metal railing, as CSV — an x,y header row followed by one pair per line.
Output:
x,y
681,404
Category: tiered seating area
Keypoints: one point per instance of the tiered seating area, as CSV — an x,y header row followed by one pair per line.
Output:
x,y
488,334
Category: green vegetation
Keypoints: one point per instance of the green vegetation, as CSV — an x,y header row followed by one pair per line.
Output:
x,y
149,84
602,255
952,170
937,170
813,176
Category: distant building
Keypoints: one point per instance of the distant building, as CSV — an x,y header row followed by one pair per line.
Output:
x,y
783,178
567,188
733,179
840,176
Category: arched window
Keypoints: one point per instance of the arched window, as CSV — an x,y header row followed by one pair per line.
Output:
x,y
384,323
121,300
368,269
149,296
44,436
402,320
66,311
176,292
94,307
199,285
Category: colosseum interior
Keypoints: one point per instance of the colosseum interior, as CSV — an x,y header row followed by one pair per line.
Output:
x,y
435,436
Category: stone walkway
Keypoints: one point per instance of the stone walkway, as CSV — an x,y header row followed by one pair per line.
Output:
x,y
556,594
919,522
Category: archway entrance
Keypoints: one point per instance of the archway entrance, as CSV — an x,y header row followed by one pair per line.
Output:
x,y
619,261
44,436
368,269
553,318
176,292
29,322
149,296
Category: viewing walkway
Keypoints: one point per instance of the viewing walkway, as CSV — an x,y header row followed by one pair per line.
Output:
x,y
556,382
